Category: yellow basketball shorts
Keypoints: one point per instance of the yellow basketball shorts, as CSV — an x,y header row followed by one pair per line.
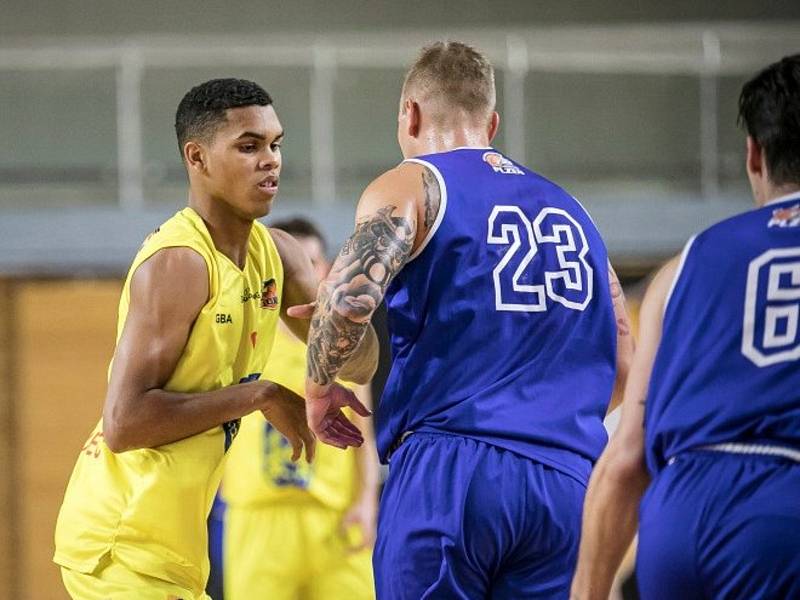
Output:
x,y
113,580
292,551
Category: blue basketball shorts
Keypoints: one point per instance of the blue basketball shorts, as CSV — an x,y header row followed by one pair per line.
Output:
x,y
464,519
720,525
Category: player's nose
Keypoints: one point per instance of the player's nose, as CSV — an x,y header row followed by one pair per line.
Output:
x,y
269,160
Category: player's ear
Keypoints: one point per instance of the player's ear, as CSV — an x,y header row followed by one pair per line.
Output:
x,y
414,117
494,125
194,156
755,158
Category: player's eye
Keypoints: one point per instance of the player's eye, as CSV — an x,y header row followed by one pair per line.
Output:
x,y
275,147
248,148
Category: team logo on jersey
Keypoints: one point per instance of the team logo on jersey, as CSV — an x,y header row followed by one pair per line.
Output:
x,y
500,164
269,295
785,217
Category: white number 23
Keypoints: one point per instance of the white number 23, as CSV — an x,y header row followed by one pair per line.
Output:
x,y
514,287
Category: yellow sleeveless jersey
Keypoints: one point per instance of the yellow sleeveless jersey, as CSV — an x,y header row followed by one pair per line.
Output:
x,y
148,507
260,471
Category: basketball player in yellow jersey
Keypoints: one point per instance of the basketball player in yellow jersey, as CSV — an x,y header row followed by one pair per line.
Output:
x,y
197,318
315,523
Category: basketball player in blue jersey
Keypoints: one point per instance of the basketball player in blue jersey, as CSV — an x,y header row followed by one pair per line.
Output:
x,y
718,364
504,347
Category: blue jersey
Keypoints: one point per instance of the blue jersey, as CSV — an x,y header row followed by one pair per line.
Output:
x,y
502,324
727,368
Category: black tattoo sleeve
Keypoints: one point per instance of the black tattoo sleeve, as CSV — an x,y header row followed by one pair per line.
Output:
x,y
433,198
369,260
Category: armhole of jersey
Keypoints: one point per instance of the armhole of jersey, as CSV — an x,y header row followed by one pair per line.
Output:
x,y
678,271
442,204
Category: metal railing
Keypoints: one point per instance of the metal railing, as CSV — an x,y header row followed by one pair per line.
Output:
x,y
702,51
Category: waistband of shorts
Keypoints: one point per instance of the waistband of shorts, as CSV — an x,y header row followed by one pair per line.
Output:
x,y
751,449
397,443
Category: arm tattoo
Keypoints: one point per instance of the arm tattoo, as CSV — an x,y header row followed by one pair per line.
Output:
x,y
369,260
433,198
618,298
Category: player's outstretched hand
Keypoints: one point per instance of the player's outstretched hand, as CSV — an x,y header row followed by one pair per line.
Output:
x,y
286,411
326,419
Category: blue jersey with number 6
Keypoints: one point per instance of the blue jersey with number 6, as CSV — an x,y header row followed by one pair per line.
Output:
x,y
502,324
728,367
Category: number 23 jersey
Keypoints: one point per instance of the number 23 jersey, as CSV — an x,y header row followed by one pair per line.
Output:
x,y
502,325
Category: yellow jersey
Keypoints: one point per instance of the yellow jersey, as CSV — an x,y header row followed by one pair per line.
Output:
x,y
260,470
148,507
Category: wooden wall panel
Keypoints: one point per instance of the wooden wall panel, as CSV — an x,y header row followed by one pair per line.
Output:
x,y
8,465
65,338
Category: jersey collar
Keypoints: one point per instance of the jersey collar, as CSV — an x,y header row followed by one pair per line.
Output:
x,y
790,196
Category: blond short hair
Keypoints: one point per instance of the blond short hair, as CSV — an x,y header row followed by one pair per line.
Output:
x,y
454,74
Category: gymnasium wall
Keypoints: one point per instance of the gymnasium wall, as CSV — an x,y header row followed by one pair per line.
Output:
x,y
56,338
121,17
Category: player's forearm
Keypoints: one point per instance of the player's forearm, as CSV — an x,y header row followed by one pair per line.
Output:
x,y
362,364
332,341
366,265
346,302
610,519
621,378
157,417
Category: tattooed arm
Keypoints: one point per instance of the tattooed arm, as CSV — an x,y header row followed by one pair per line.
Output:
x,y
394,214
300,288
378,248
625,342
620,477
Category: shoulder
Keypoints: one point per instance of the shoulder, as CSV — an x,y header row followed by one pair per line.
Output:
x,y
284,242
722,229
289,249
183,230
172,274
403,181
408,191
174,263
657,294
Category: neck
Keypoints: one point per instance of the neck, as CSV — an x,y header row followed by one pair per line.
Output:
x,y
435,140
772,192
229,232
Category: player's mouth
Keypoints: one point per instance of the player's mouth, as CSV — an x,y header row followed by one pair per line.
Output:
x,y
269,185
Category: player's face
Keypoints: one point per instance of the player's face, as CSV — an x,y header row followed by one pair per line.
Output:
x,y
244,160
316,253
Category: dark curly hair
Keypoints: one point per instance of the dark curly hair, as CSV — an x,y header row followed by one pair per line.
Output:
x,y
769,109
203,107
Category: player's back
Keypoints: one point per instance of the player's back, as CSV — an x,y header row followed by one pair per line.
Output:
x,y
727,368
502,323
